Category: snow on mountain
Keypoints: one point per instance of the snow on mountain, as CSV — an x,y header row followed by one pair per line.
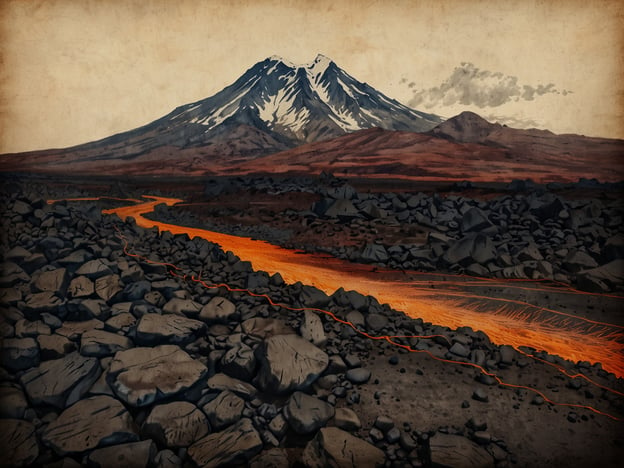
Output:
x,y
273,106
301,103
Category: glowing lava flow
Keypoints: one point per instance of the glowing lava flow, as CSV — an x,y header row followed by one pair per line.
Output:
x,y
175,271
580,339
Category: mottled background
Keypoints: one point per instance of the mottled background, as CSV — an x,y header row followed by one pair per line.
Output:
x,y
78,70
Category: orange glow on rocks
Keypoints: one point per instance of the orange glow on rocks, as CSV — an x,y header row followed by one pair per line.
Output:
x,y
448,303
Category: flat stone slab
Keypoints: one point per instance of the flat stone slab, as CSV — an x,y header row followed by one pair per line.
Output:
x,y
170,328
18,442
93,422
176,424
235,445
61,382
334,447
141,376
289,362
100,343
132,455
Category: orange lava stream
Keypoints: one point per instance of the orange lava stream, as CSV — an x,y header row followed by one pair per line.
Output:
x,y
432,305
173,270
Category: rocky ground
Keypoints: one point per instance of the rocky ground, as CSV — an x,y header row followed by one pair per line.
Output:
x,y
110,357
571,233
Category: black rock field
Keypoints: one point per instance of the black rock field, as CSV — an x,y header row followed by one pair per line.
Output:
x,y
114,353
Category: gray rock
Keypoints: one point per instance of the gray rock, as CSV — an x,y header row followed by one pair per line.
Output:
x,y
307,414
263,328
312,328
141,376
13,403
224,410
577,260
222,382
168,328
38,303
93,422
54,346
457,451
334,447
347,420
239,362
18,443
132,455
176,424
94,269
460,350
235,445
288,362
358,375
108,287
177,305
218,310
474,220
55,281
471,248
376,322
20,353
313,297
74,330
374,253
61,382
24,328
100,343
342,209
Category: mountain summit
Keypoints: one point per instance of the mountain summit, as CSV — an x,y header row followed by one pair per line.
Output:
x,y
273,106
297,104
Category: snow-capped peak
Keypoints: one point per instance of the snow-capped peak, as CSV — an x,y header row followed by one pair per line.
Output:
x,y
319,65
277,58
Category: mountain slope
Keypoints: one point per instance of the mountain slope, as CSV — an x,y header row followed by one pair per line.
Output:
x,y
273,106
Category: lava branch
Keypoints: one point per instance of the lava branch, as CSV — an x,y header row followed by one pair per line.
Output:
x,y
173,269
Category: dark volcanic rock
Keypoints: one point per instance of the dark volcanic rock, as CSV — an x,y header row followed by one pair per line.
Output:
x,y
218,310
18,442
140,376
20,353
335,447
222,382
62,381
176,424
307,414
132,455
168,328
90,423
100,343
224,410
235,445
288,362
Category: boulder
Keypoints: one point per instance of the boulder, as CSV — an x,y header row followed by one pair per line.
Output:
x,y
94,269
167,328
312,328
132,455
222,382
61,382
108,287
335,447
374,253
307,414
176,424
239,362
288,362
235,445
13,403
177,305
347,420
141,376
263,328
93,422
18,443
100,343
55,281
474,220
20,353
218,310
224,410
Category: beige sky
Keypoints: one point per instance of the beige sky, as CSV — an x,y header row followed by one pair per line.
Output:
x,y
73,71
